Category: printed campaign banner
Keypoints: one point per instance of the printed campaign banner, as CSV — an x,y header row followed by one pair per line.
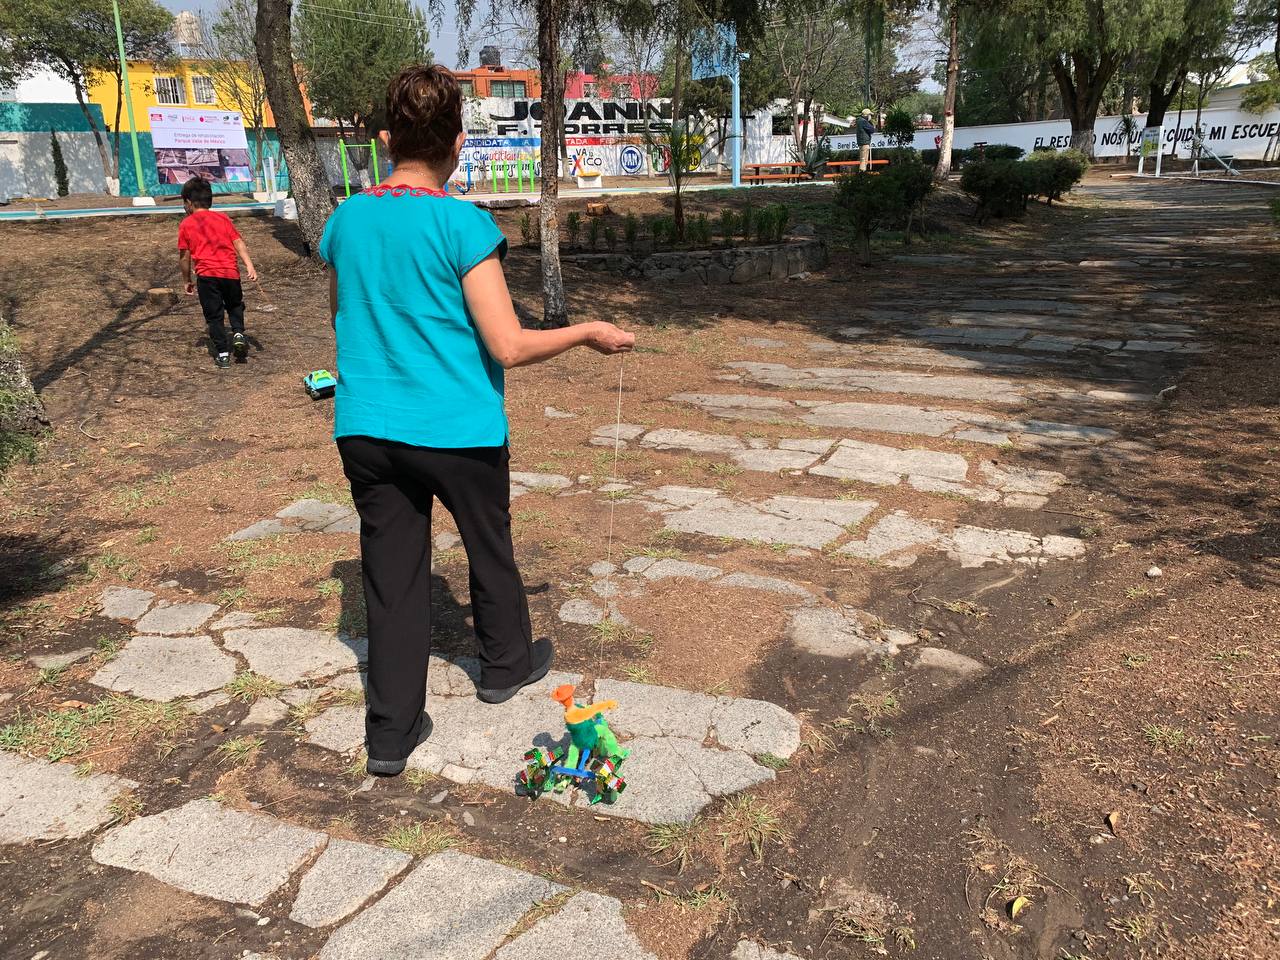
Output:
x,y
209,144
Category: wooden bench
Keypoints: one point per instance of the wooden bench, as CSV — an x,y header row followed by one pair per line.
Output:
x,y
761,177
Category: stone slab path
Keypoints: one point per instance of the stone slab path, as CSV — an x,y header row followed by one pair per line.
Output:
x,y
48,801
926,470
902,419
686,748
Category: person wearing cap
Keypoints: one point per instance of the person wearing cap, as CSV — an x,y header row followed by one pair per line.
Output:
x,y
865,130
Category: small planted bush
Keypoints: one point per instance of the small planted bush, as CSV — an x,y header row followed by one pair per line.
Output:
x,y
631,230
528,228
781,218
611,238
747,222
593,232
1002,151
914,182
868,203
1054,174
999,187
574,223
728,225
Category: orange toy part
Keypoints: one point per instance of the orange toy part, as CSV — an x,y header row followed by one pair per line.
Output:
x,y
563,695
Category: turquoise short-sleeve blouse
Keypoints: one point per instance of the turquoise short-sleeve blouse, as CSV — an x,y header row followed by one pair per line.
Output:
x,y
412,367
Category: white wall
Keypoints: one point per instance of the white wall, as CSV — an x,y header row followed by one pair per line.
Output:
x,y
1230,131
26,164
44,87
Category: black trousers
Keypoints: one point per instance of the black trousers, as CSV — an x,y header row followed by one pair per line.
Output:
x,y
393,485
219,295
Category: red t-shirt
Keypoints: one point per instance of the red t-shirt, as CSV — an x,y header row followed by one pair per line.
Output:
x,y
209,236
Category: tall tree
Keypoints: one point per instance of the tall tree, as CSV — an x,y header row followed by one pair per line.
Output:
x,y
76,39
1086,41
349,49
816,55
943,168
230,61
273,41
1204,25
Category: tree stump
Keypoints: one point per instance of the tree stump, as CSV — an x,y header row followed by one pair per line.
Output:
x,y
600,209
162,295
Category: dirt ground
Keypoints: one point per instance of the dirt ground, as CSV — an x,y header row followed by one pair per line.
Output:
x,y
1117,765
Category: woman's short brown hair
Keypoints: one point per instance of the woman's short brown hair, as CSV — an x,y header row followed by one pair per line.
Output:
x,y
424,114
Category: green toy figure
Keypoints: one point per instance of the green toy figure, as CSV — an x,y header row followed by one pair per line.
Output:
x,y
591,760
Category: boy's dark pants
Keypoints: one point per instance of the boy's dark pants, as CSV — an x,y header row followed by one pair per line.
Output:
x,y
392,485
216,295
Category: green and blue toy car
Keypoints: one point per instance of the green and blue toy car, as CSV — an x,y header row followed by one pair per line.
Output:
x,y
320,384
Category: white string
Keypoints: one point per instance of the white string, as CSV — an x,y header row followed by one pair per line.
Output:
x,y
617,444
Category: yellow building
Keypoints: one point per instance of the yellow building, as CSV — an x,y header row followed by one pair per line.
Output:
x,y
180,83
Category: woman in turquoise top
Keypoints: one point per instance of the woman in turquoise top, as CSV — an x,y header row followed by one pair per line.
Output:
x,y
425,329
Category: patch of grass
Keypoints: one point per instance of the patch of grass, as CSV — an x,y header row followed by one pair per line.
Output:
x,y
531,516
638,674
867,714
696,900
147,534
356,767
127,806
50,676
327,492
1136,929
674,842
723,469
300,713
253,556
249,686
417,779
239,750
57,734
113,565
748,820
617,494
348,698
1166,737
230,596
662,553
420,839
772,762
332,587
1135,661
966,608
1137,593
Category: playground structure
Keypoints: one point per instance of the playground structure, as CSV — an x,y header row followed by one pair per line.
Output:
x,y
523,168
344,153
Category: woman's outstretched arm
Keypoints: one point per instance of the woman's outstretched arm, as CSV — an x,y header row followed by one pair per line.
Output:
x,y
485,290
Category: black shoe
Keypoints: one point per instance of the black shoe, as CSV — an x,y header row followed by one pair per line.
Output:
x,y
222,360
542,655
393,768
240,346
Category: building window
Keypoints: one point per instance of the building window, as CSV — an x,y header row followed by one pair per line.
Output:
x,y
202,90
170,91
468,87
507,88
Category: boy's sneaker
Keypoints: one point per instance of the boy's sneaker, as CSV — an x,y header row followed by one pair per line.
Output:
x,y
241,347
222,360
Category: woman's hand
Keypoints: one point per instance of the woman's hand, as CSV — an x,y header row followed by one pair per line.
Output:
x,y
606,338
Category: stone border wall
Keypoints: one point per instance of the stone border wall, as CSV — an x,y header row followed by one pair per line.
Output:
x,y
728,265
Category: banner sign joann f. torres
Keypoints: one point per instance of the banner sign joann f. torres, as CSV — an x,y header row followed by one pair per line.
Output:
x,y
588,117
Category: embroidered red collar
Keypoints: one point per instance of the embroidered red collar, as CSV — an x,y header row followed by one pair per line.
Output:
x,y
400,190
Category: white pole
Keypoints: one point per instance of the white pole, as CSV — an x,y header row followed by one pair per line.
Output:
x,y
1159,150
269,163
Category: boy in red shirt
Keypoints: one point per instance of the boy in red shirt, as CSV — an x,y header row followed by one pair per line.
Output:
x,y
211,240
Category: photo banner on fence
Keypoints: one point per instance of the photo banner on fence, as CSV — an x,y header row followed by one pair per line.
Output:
x,y
210,144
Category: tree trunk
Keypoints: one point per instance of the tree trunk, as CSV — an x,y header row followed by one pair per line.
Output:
x,y
115,140
1082,93
862,246
309,182
679,146
555,312
97,134
1159,97
943,169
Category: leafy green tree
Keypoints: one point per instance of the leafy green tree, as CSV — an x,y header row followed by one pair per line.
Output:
x,y
76,39
900,128
349,49
1264,90
1085,42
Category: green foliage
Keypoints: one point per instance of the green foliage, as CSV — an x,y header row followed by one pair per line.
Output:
x,y
999,187
574,224
913,182
897,155
611,237
683,143
699,230
1000,151
1051,175
747,222
593,232
59,165
631,230
349,49
868,202
814,157
528,228
900,128
1264,92
728,224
